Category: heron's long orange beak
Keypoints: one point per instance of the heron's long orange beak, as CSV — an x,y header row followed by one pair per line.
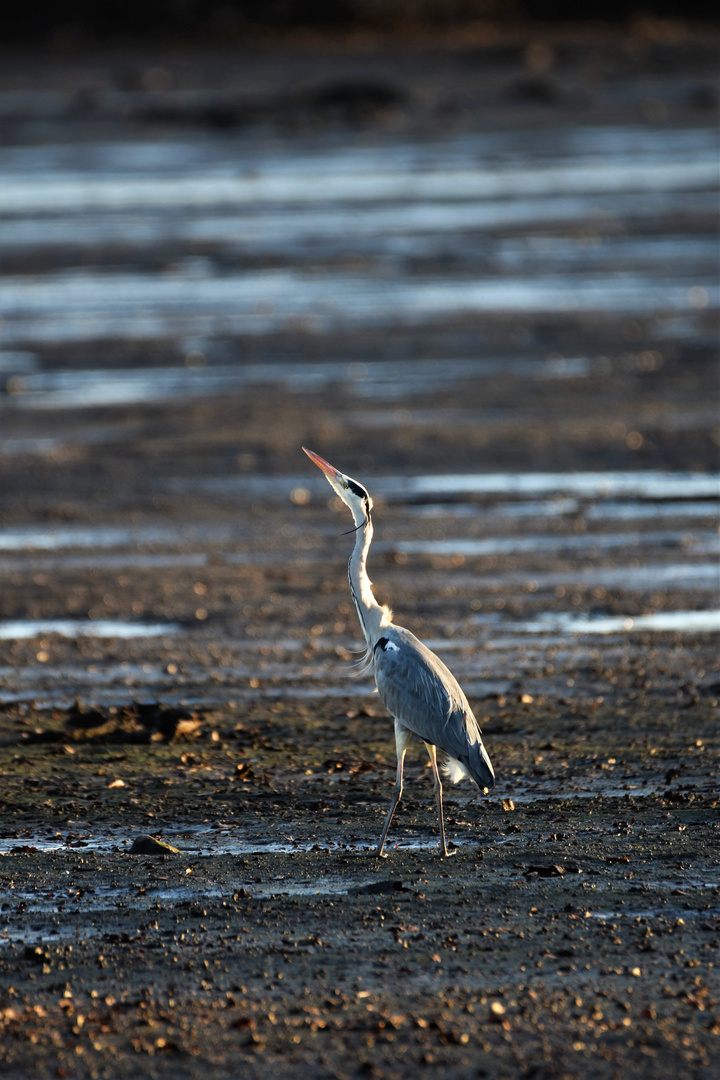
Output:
x,y
330,471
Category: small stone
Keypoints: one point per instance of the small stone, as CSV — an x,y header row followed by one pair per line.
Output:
x,y
379,887
149,845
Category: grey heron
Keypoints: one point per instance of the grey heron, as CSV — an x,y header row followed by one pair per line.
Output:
x,y
418,690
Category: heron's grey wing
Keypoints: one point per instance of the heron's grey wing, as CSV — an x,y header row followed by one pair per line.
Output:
x,y
420,691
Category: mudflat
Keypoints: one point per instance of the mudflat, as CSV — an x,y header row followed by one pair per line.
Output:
x,y
568,934
190,785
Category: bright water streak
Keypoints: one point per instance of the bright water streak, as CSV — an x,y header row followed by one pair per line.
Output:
x,y
40,194
81,305
652,484
689,622
427,229
392,202
698,541
18,629
89,388
42,538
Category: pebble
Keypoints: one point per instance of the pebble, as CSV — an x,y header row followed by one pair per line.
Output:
x,y
149,845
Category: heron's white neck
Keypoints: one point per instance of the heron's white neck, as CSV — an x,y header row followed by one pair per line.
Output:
x,y
372,615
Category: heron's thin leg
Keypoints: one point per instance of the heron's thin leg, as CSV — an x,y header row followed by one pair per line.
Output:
x,y
402,738
437,788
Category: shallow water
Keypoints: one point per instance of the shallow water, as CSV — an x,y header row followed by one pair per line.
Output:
x,y
79,306
700,541
649,484
629,578
18,629
309,204
689,622
603,510
89,388
400,231
53,538
365,176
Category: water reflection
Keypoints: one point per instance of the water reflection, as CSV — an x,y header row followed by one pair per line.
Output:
x,y
82,306
17,629
53,538
650,484
400,231
265,226
689,622
358,180
700,542
89,388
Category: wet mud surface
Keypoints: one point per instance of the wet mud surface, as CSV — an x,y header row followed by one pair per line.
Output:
x,y
575,927
176,630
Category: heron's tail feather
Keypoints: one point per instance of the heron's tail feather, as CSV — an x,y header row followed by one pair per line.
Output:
x,y
453,770
477,767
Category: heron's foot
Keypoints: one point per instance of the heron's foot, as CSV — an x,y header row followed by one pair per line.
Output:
x,y
446,853
378,853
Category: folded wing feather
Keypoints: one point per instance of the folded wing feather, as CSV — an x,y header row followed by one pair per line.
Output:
x,y
420,691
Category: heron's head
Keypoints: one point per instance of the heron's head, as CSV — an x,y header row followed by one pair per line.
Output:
x,y
352,494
